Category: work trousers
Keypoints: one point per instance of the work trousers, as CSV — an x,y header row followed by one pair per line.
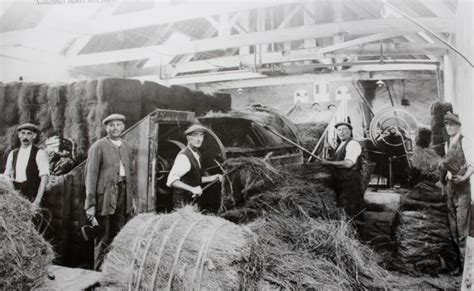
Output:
x,y
459,212
110,226
349,195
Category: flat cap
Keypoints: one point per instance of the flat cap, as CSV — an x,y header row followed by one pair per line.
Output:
x,y
114,116
195,128
28,126
450,117
343,123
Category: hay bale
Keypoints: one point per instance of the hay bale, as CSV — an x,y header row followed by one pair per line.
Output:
x,y
9,112
43,114
3,100
24,252
155,96
305,253
120,96
223,102
181,250
56,96
183,98
439,135
76,127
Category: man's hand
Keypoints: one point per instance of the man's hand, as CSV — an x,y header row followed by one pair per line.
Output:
x,y
197,191
134,208
36,205
220,177
90,213
458,179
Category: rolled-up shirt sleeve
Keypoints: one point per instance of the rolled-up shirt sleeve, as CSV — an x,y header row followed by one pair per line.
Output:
x,y
181,166
353,151
43,163
9,165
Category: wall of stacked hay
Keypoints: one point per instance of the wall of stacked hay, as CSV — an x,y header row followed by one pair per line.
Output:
x,y
75,110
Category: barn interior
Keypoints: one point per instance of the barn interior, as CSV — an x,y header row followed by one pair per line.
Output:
x,y
270,80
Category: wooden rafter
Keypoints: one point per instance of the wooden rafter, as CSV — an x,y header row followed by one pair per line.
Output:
x,y
371,26
247,61
336,76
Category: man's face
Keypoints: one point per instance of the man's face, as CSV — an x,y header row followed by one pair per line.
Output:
x,y
195,139
452,128
114,128
343,132
26,137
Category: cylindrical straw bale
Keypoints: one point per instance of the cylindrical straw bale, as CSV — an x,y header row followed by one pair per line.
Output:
x,y
25,253
184,250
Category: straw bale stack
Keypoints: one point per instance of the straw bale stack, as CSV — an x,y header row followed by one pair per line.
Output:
x,y
75,126
155,96
9,111
183,250
223,102
439,135
24,252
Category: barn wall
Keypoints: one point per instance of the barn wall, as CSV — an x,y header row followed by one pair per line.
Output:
x,y
463,102
420,93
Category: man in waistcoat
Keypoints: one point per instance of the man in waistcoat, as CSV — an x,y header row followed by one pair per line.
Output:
x,y
186,174
28,165
109,189
347,175
455,173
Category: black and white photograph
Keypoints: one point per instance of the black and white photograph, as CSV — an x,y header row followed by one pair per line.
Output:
x,y
236,145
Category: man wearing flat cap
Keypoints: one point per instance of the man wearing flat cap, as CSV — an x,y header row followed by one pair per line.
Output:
x,y
455,173
109,192
28,165
347,165
186,174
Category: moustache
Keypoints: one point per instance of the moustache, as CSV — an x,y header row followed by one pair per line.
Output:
x,y
25,140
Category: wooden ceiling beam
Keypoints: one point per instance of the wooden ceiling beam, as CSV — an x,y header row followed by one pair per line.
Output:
x,y
165,13
371,49
370,26
309,78
438,8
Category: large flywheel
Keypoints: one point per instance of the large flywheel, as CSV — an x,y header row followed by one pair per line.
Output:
x,y
393,128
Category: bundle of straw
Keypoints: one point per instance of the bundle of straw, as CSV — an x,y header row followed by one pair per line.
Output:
x,y
310,133
423,238
24,252
181,250
247,175
306,253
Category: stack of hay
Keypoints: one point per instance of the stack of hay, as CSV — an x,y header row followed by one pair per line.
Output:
x,y
438,110
310,133
424,242
181,250
285,191
303,253
24,252
187,250
76,110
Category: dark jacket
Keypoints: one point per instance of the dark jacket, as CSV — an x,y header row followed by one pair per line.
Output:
x,y
102,175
